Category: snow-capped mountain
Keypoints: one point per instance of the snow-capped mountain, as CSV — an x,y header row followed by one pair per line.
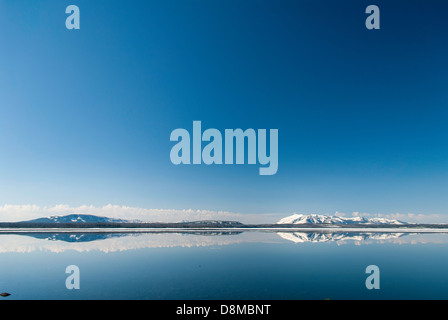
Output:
x,y
322,219
75,218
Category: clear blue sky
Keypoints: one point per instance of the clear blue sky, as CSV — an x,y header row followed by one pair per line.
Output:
x,y
86,115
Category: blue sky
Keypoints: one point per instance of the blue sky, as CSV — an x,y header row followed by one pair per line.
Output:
x,y
86,115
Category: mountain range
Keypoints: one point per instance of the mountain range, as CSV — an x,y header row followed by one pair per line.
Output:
x,y
92,220
77,218
336,220
295,220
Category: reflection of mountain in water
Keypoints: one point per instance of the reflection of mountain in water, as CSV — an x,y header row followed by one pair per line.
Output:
x,y
75,237
88,237
115,242
299,237
213,233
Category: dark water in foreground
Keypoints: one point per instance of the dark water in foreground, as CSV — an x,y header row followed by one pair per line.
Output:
x,y
249,265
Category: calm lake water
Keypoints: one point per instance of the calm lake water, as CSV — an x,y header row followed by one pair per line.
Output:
x,y
248,265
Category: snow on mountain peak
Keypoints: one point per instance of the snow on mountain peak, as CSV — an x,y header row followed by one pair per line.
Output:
x,y
75,218
323,219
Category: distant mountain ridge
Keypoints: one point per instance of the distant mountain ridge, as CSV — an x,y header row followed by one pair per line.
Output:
x,y
312,220
76,218
92,219
336,220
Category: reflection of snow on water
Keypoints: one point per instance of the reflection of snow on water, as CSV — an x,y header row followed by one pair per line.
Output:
x,y
122,242
105,242
365,238
299,237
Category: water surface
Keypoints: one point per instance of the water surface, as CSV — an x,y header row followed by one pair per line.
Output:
x,y
239,265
